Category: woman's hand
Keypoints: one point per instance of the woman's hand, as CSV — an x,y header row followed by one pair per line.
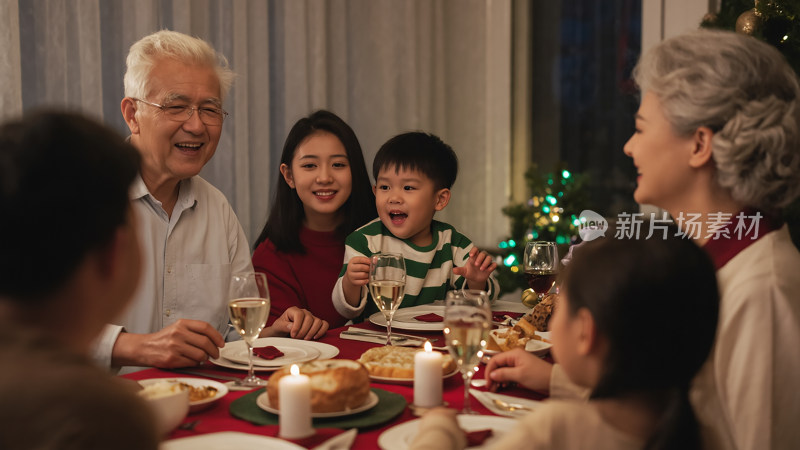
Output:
x,y
297,323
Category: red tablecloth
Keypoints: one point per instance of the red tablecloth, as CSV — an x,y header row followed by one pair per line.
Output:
x,y
218,418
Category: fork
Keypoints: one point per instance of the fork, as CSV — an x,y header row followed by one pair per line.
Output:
x,y
511,407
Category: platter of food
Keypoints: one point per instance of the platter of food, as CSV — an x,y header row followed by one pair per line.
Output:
x,y
530,333
264,403
395,365
202,393
339,387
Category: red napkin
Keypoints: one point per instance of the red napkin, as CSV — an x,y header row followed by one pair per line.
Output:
x,y
268,352
430,317
321,435
477,437
499,316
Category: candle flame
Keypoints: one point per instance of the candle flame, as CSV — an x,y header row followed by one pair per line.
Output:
x,y
428,346
294,370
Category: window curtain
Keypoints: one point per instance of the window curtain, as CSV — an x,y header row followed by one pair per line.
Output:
x,y
385,66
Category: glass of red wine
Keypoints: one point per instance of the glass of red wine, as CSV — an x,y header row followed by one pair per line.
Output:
x,y
541,266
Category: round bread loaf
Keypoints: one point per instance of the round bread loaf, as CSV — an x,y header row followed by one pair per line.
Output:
x,y
392,361
336,384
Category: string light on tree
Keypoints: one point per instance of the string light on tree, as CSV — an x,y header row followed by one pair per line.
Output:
x,y
555,197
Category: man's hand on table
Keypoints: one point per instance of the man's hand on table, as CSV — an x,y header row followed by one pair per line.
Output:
x,y
297,323
184,343
521,367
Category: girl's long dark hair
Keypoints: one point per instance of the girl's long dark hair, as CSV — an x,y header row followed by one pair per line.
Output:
x,y
286,215
657,303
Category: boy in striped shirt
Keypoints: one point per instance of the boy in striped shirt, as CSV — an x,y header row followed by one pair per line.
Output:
x,y
413,173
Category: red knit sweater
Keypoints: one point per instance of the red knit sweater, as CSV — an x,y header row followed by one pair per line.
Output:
x,y
303,280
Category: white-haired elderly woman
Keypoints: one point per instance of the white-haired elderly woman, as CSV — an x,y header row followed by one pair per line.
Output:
x,y
718,139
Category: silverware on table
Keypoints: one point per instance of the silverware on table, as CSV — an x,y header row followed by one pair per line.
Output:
x,y
204,374
363,331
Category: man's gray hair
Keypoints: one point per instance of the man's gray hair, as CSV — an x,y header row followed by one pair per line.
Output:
x,y
746,93
144,54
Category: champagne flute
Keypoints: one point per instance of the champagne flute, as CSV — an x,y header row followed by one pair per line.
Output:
x,y
541,266
387,284
249,308
467,321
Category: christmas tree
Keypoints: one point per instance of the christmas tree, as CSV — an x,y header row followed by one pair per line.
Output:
x,y
550,214
775,22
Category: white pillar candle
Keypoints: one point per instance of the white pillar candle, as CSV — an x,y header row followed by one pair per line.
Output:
x,y
428,378
294,398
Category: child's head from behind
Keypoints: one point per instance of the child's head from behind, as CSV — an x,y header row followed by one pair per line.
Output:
x,y
413,176
650,307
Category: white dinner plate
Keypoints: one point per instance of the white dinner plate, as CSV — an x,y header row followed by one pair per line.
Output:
x,y
292,354
399,437
228,440
326,351
198,405
537,347
372,399
408,381
404,318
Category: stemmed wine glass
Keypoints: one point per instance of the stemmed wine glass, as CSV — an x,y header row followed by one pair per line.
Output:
x,y
249,308
387,284
541,266
467,321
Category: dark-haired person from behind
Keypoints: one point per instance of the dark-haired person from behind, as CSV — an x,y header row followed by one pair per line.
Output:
x,y
625,332
69,263
322,195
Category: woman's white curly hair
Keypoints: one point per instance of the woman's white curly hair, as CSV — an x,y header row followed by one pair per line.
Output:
x,y
145,52
745,91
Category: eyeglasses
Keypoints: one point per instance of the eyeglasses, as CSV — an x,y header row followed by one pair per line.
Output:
x,y
181,113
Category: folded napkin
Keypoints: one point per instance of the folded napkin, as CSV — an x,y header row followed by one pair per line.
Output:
x,y
430,317
477,437
499,316
268,352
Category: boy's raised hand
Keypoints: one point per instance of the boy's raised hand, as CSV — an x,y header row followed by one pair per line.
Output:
x,y
477,270
356,275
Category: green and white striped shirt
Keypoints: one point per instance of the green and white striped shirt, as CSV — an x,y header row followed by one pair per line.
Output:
x,y
429,269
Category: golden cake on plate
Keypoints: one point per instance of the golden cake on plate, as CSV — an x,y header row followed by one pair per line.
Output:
x,y
336,384
398,362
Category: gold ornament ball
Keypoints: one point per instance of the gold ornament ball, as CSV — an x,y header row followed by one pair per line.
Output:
x,y
529,298
748,22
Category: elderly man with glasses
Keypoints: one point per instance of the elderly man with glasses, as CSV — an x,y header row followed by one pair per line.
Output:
x,y
192,241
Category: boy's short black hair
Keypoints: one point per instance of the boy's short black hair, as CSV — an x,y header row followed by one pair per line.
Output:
x,y
419,151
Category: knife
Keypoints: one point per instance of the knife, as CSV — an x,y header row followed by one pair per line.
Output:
x,y
354,330
203,374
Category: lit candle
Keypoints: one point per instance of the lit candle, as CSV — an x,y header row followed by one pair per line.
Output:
x,y
428,378
294,398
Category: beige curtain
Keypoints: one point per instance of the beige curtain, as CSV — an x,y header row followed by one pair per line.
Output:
x,y
385,66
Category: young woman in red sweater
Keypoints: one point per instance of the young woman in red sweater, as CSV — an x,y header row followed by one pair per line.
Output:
x,y
322,195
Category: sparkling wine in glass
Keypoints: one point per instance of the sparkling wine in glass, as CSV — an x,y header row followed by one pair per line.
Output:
x,y
541,267
248,309
387,284
467,321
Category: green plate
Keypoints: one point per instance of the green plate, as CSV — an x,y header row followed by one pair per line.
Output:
x,y
389,406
